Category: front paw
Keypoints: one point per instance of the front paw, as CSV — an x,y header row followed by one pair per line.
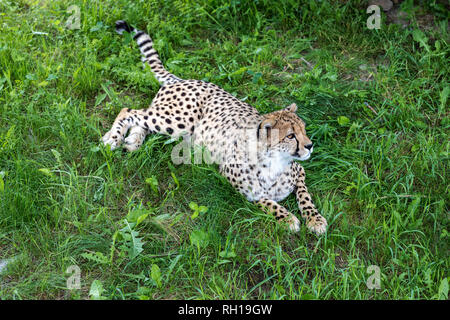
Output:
x,y
317,224
294,224
112,139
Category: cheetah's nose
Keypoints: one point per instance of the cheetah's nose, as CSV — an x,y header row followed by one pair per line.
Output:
x,y
309,146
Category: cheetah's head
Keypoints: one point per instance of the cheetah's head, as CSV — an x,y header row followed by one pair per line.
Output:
x,y
285,133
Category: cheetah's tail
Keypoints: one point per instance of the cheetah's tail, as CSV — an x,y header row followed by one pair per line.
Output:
x,y
149,54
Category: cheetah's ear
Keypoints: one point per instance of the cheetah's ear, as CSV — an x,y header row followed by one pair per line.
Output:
x,y
292,108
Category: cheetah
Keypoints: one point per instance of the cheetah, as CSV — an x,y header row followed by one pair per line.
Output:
x,y
256,152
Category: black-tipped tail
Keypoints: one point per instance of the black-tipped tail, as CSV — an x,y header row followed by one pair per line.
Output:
x,y
122,26
149,55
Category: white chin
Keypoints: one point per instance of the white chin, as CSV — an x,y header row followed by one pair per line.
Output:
x,y
304,157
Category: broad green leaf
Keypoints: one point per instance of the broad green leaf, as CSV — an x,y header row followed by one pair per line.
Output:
x,y
51,77
443,290
227,254
99,99
136,245
141,218
96,256
257,77
193,206
420,37
133,244
156,275
199,238
238,72
343,120
195,214
137,216
46,171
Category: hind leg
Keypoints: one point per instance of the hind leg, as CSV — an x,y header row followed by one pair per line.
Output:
x,y
139,123
135,138
119,129
134,121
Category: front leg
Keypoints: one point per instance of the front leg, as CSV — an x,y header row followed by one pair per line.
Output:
x,y
119,129
314,221
281,213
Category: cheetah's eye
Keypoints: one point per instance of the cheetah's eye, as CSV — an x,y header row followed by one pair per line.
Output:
x,y
291,136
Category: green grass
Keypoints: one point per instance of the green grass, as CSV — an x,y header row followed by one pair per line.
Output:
x,y
375,103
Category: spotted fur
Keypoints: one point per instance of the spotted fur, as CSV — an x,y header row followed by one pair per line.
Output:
x,y
227,127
